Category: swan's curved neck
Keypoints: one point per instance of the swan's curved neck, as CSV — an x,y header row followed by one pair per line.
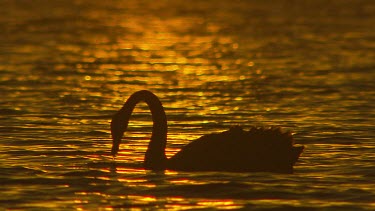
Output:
x,y
155,158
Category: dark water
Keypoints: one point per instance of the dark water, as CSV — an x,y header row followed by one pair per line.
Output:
x,y
67,66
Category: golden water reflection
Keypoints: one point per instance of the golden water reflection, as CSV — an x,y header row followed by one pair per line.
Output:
x,y
193,59
213,64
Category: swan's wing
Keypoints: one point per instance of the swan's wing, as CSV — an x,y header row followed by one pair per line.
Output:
x,y
203,154
214,152
238,151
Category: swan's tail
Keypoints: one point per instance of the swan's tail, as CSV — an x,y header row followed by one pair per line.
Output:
x,y
296,151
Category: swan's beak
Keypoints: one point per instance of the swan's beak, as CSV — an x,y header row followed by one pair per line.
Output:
x,y
115,147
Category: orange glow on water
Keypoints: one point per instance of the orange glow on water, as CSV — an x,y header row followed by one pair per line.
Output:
x,y
66,68
222,204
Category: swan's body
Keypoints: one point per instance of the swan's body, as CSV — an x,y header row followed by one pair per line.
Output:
x,y
235,150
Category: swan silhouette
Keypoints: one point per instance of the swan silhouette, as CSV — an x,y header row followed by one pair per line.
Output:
x,y
234,150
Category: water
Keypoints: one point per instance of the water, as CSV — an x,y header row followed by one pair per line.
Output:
x,y
67,66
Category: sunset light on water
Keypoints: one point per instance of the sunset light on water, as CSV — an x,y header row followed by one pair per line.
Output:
x,y
66,68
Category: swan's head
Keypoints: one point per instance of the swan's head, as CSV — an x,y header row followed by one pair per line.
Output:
x,y
119,125
116,133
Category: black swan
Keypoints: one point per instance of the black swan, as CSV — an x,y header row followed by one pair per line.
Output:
x,y
236,150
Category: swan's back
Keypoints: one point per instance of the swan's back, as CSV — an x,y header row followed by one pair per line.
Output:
x,y
237,150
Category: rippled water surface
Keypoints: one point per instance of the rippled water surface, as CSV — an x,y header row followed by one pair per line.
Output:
x,y
67,66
